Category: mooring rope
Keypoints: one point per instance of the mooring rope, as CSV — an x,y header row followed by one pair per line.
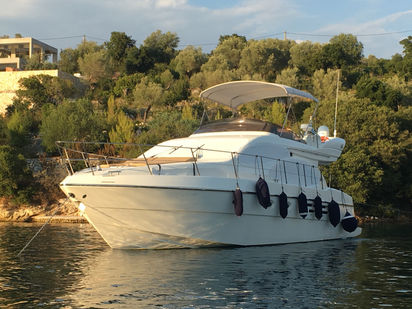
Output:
x,y
38,232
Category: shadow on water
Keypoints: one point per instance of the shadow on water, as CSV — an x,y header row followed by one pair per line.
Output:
x,y
69,265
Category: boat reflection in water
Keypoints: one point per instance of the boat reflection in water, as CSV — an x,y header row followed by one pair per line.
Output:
x,y
70,266
234,182
299,275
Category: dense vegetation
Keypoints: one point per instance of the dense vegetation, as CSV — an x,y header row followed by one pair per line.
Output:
x,y
149,93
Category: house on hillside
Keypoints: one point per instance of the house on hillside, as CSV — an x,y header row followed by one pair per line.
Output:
x,y
13,55
14,51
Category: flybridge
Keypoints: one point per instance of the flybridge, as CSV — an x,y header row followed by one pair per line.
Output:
x,y
321,147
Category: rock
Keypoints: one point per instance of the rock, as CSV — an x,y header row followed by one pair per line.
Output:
x,y
25,213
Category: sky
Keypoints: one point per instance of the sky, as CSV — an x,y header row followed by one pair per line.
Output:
x,y
378,24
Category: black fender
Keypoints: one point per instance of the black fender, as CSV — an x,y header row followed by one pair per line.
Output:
x,y
238,202
262,193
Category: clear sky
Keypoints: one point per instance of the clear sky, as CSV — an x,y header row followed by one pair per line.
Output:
x,y
379,24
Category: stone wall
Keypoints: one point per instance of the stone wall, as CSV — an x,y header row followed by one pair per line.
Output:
x,y
9,83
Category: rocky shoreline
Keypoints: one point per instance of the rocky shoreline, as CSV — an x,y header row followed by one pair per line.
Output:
x,y
64,212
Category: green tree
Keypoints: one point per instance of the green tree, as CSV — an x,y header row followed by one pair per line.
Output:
x,y
175,90
358,174
266,57
187,112
124,85
207,79
94,66
69,60
225,37
407,46
35,91
88,47
378,92
375,66
36,62
167,125
189,61
276,114
20,128
343,50
71,121
123,132
216,62
306,57
111,110
138,60
324,84
403,118
227,55
3,131
370,167
16,179
118,46
406,66
288,77
147,94
397,83
161,46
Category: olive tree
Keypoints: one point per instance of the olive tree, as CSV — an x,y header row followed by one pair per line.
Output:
x,y
147,94
71,121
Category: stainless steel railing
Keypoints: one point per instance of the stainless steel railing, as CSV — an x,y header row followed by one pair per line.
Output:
x,y
95,155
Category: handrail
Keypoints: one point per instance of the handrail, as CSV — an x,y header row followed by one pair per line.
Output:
x,y
165,146
85,156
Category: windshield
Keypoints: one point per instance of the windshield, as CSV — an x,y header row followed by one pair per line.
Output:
x,y
243,124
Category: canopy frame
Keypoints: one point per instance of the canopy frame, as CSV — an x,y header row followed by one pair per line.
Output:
x,y
236,93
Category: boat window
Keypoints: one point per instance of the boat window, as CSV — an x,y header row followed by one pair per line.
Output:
x,y
243,124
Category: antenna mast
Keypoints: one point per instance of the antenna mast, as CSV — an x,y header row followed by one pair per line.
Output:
x,y
336,105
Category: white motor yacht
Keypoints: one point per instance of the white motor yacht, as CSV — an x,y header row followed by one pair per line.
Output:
x,y
236,182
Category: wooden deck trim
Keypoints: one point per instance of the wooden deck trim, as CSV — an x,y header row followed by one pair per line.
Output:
x,y
152,161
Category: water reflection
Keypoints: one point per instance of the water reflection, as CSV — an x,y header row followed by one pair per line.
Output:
x,y
49,267
69,265
289,276
383,269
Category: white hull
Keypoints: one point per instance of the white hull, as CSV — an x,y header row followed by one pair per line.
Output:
x,y
155,216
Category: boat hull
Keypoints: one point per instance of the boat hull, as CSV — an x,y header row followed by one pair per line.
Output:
x,y
159,217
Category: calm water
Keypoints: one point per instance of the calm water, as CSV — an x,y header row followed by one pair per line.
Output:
x,y
69,266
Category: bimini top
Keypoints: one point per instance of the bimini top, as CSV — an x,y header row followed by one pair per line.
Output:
x,y
237,93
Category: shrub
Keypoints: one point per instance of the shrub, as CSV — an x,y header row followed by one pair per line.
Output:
x,y
16,179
